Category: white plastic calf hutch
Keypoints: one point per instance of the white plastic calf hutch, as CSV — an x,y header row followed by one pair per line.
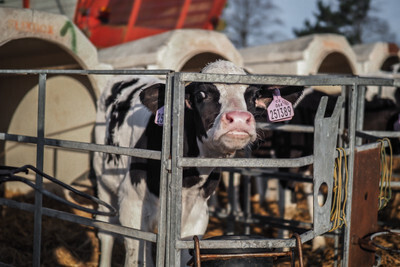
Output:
x,y
312,54
179,50
376,57
31,39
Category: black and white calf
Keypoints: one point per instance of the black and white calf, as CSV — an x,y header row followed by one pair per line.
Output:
x,y
219,120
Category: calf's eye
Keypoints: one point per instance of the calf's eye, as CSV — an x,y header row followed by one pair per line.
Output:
x,y
200,96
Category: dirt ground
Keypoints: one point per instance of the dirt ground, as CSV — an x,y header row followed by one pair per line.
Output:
x,y
68,244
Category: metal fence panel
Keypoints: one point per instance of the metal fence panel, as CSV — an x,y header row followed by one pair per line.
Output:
x,y
171,174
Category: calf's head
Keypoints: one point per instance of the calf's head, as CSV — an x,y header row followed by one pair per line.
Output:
x,y
223,116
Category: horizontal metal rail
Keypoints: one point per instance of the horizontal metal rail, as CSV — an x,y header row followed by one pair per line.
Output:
x,y
328,80
285,127
271,173
245,162
258,162
85,72
83,146
244,244
240,244
112,228
389,134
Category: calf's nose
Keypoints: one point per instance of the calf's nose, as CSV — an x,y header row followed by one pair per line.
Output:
x,y
234,117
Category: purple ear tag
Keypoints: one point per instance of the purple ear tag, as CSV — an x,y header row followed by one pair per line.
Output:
x,y
279,109
159,120
396,125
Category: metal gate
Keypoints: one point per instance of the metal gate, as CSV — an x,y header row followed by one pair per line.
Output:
x,y
169,244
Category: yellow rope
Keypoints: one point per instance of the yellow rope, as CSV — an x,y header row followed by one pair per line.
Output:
x,y
338,215
385,191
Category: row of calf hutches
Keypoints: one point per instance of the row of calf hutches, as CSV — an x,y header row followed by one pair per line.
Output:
x,y
321,54
39,40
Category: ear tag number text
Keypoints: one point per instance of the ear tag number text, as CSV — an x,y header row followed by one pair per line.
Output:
x,y
279,109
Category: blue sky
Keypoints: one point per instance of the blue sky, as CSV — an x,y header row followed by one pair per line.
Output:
x,y
294,12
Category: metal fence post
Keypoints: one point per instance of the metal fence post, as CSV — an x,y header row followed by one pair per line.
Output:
x,y
177,171
39,164
165,175
352,135
360,112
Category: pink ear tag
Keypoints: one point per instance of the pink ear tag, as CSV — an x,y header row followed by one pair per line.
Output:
x,y
279,109
159,120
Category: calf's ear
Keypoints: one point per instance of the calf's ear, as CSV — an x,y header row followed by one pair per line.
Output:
x,y
290,93
189,94
153,97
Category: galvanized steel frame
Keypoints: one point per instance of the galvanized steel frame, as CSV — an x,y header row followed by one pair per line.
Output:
x,y
171,174
41,142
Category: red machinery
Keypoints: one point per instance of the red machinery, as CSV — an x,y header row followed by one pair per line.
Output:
x,y
112,22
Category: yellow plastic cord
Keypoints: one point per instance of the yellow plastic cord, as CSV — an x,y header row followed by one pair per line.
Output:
x,y
338,215
385,191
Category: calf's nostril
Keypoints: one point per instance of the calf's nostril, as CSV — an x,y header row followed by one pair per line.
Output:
x,y
229,117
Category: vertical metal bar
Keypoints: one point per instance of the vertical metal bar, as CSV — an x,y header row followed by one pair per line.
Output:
x,y
337,234
230,224
342,118
341,143
165,153
176,180
360,112
352,133
39,164
247,204
380,91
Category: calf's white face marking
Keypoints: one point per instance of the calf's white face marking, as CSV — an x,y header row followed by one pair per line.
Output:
x,y
234,127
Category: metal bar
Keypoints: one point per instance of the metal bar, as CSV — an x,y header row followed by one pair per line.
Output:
x,y
197,251
166,146
39,165
342,144
244,79
255,243
223,244
390,134
133,152
360,112
268,173
18,138
245,162
84,72
299,249
352,133
208,257
394,184
62,215
247,204
329,80
177,172
342,118
285,127
298,226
